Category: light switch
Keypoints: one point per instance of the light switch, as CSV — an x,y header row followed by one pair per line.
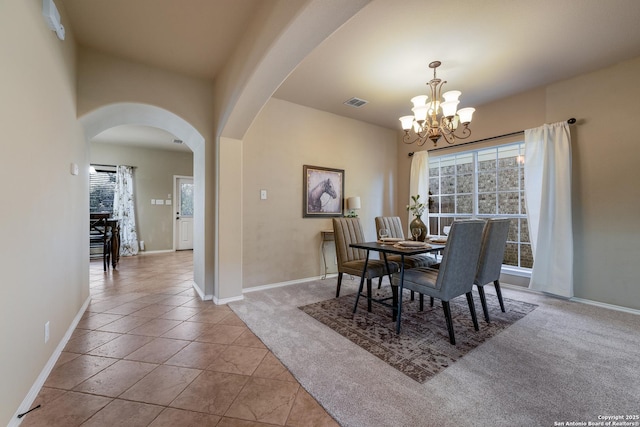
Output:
x,y
73,168
159,202
153,201
167,202
263,194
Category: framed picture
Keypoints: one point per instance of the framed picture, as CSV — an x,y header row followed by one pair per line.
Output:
x,y
323,192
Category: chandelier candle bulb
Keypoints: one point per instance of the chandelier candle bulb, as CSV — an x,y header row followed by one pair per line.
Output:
x,y
436,119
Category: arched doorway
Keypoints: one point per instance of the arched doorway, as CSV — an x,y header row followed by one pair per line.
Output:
x,y
118,114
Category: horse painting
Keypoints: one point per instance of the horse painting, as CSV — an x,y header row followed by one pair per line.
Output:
x,y
314,199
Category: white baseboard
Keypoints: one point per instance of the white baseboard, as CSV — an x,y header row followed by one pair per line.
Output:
x,y
44,374
163,251
605,305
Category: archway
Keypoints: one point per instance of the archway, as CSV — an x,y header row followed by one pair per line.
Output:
x,y
118,114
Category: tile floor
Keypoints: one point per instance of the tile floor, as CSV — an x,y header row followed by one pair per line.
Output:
x,y
149,352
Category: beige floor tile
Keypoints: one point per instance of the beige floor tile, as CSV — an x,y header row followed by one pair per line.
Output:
x,y
121,346
157,351
176,300
211,392
77,370
155,327
234,422
171,417
197,355
307,412
116,379
270,367
238,360
162,385
187,331
97,320
222,334
264,400
232,319
249,339
124,413
180,313
125,324
210,316
70,409
127,308
89,341
153,310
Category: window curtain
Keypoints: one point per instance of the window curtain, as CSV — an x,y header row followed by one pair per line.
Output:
x,y
547,177
419,184
123,210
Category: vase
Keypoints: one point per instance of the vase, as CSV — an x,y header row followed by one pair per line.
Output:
x,y
417,223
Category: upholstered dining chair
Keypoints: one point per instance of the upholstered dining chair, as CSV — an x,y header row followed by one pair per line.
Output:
x,y
393,224
351,260
456,272
494,241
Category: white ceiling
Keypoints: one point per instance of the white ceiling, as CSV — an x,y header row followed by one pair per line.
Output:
x,y
489,49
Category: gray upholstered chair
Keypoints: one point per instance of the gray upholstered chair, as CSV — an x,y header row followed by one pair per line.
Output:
x,y
351,260
456,272
494,241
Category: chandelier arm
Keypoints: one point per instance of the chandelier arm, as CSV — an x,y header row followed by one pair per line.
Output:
x,y
466,132
418,139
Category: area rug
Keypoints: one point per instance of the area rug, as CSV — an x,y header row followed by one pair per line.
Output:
x,y
422,349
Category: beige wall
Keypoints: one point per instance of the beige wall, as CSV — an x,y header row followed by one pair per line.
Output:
x,y
280,245
605,153
44,247
153,179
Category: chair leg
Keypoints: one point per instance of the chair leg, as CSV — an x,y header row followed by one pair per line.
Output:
x,y
421,299
369,295
339,284
394,300
431,301
499,293
413,295
472,308
483,300
379,282
447,316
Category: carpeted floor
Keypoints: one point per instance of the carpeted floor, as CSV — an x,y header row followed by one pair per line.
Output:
x,y
422,349
564,361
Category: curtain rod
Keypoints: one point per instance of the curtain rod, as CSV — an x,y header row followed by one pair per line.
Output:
x,y
570,121
110,166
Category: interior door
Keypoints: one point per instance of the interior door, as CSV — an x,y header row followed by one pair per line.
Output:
x,y
184,213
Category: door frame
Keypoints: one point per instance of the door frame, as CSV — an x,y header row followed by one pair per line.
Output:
x,y
173,216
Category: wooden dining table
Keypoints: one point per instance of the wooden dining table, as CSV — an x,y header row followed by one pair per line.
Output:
x,y
390,249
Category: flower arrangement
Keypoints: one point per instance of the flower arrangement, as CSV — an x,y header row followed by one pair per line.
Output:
x,y
416,207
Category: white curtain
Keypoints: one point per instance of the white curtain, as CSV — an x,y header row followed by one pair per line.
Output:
x,y
547,176
419,184
123,210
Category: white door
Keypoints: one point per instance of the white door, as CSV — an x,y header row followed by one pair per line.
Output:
x,y
184,213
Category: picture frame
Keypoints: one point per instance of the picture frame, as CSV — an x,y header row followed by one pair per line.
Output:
x,y
322,192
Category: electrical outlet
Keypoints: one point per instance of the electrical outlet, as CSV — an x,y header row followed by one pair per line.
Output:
x,y
46,332
263,194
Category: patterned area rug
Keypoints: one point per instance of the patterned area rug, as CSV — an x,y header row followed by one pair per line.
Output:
x,y
422,349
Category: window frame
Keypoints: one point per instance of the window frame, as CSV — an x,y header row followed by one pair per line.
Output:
x,y
439,218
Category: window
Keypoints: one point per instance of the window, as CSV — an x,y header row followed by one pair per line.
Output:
x,y
102,184
482,183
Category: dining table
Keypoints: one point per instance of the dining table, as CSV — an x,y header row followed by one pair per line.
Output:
x,y
391,248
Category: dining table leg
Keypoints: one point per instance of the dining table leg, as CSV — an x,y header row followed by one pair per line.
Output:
x,y
364,272
394,290
399,297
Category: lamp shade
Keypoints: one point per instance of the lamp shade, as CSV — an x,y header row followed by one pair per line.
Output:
x,y
353,203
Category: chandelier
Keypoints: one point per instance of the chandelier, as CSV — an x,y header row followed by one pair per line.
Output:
x,y
437,118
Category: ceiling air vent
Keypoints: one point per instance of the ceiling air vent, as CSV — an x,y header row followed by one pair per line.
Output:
x,y
355,102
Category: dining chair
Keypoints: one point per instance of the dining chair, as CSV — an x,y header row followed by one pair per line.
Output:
x,y
352,260
394,225
456,272
494,241
100,237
